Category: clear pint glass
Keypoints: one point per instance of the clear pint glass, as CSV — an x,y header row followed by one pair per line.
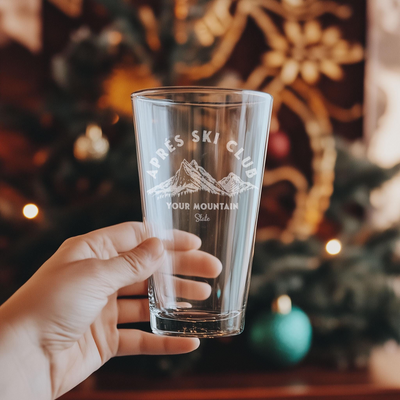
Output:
x,y
201,155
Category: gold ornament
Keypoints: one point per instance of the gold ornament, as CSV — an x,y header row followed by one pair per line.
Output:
x,y
92,145
300,51
73,8
309,51
214,23
124,80
149,22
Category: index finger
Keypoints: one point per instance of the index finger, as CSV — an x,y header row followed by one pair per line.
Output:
x,y
128,235
113,240
133,342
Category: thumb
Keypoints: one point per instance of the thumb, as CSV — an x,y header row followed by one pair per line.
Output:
x,y
135,265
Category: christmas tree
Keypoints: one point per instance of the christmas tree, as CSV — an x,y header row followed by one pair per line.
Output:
x,y
346,285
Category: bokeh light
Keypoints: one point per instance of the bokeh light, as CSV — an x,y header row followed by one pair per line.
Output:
x,y
30,211
333,247
284,304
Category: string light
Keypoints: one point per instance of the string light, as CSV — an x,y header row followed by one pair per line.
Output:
x,y
93,132
30,211
114,38
92,145
181,9
333,247
40,157
282,305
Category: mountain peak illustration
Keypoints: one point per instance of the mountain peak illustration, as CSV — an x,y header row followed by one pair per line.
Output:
x,y
234,185
191,178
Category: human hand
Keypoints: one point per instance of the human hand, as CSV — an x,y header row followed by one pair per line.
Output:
x,y
62,324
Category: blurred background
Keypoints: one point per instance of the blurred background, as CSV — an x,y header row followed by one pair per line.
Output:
x,y
324,305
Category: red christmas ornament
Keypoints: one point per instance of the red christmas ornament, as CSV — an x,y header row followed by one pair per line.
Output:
x,y
278,145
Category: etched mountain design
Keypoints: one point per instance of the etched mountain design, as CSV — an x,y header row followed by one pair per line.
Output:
x,y
191,178
232,184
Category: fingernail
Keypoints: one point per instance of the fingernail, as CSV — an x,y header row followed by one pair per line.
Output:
x,y
197,241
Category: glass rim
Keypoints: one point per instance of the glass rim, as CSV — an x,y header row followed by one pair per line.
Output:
x,y
144,93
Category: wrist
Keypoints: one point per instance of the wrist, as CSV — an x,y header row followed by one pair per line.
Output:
x,y
24,368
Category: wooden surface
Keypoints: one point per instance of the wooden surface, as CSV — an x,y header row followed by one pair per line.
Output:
x,y
300,383
356,393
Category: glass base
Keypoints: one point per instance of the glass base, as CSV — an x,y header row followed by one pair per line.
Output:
x,y
196,324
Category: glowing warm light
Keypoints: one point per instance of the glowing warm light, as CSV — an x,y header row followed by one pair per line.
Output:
x,y
283,304
94,132
30,211
181,9
333,247
92,145
114,38
40,157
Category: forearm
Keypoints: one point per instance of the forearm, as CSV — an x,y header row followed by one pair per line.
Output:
x,y
24,369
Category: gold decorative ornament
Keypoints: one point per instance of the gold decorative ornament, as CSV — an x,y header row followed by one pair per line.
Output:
x,y
149,21
72,8
300,52
309,51
124,80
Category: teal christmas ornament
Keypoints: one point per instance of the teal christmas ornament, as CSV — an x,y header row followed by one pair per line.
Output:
x,y
283,339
